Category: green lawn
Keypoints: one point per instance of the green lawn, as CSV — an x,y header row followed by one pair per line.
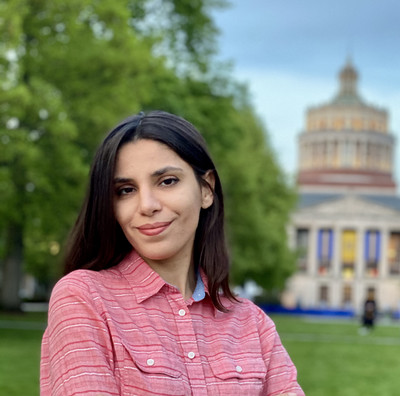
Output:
x,y
332,359
20,337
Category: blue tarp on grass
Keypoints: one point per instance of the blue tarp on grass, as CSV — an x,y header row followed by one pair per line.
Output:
x,y
278,309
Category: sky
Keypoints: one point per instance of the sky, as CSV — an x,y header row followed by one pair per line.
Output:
x,y
289,53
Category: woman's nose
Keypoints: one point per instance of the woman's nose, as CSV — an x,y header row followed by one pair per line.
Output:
x,y
149,202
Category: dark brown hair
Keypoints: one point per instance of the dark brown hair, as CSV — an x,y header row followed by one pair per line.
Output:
x,y
97,241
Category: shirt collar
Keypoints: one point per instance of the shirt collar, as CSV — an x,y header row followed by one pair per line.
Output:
x,y
145,282
200,290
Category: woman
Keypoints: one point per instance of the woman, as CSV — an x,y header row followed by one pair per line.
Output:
x,y
145,306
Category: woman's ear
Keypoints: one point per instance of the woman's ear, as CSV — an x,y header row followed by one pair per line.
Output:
x,y
207,189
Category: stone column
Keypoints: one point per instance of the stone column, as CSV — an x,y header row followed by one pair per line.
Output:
x,y
309,155
363,154
337,252
383,265
312,268
329,154
360,262
390,158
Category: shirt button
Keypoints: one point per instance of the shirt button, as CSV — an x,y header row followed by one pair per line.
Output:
x,y
191,355
182,312
150,362
239,369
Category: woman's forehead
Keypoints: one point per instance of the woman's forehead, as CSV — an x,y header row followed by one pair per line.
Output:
x,y
148,156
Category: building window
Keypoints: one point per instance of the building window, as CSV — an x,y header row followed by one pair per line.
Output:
x,y
324,251
394,253
338,123
302,235
357,124
323,296
372,252
349,252
373,125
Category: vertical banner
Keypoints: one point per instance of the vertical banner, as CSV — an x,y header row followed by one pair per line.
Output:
x,y
394,253
325,247
372,246
349,247
372,252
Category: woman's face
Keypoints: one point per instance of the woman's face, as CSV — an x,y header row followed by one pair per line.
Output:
x,y
158,200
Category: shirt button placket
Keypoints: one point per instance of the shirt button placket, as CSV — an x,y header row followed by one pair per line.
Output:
x,y
187,338
191,355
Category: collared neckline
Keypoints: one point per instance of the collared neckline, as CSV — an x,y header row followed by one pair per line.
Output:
x,y
199,292
146,282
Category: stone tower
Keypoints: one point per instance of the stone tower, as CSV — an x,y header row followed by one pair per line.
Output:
x,y
346,144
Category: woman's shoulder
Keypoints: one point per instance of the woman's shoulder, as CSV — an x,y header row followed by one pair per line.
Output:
x,y
74,283
83,281
247,308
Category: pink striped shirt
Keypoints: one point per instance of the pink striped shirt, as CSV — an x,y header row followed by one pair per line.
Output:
x,y
125,331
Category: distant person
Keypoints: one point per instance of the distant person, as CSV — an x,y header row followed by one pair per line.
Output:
x,y
145,306
369,312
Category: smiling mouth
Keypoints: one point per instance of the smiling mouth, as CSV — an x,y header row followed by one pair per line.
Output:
x,y
153,229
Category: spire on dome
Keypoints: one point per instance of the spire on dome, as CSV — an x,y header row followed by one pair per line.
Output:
x,y
348,77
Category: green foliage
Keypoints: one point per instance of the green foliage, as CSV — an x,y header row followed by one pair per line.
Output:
x,y
258,204
41,173
41,168
70,70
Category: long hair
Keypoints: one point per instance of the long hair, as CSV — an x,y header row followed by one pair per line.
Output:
x,y
97,241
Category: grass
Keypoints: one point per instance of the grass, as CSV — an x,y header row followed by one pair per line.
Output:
x,y
20,338
331,357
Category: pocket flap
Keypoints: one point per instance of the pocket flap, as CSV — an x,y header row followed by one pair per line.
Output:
x,y
228,368
156,360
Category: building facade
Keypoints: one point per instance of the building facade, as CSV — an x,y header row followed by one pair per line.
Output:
x,y
346,227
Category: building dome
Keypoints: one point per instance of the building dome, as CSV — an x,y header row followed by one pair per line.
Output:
x,y
346,142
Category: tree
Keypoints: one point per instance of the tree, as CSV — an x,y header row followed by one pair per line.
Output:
x,y
262,203
40,168
70,70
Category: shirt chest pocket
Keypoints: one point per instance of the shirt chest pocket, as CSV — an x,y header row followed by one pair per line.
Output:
x,y
237,376
151,371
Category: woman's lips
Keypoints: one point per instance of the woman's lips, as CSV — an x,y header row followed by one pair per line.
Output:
x,y
153,229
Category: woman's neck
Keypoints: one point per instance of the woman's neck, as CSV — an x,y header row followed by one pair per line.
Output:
x,y
179,274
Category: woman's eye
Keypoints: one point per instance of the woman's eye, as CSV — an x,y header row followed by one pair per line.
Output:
x,y
125,190
169,181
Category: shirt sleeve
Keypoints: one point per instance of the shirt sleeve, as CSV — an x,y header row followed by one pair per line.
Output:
x,y
281,373
77,352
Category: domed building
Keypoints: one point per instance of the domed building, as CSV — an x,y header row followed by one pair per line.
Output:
x,y
347,224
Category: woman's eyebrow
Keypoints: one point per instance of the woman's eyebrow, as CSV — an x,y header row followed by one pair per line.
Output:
x,y
118,180
166,169
158,172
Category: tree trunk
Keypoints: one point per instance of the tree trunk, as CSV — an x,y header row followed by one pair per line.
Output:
x,y
12,269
